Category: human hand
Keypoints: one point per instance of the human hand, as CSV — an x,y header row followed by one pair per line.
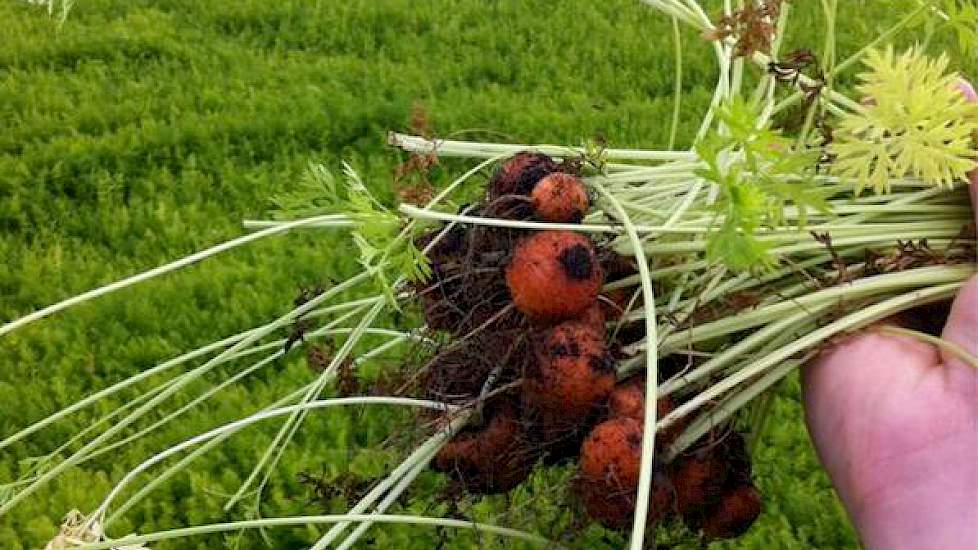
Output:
x,y
895,423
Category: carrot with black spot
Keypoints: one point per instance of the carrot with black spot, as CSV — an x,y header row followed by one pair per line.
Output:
x,y
554,275
573,374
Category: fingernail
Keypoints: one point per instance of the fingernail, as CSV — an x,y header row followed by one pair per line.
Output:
x,y
967,90
969,93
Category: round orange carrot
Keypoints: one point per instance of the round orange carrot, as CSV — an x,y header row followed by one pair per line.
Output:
x,y
554,275
573,375
560,198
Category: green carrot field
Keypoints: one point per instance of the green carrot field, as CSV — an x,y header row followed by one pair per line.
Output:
x,y
140,131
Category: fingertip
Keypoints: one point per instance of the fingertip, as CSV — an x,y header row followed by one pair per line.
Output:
x,y
966,89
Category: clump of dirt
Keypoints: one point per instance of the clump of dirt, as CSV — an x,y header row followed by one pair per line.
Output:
x,y
466,288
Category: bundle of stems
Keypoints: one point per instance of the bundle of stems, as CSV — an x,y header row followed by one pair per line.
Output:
x,y
748,291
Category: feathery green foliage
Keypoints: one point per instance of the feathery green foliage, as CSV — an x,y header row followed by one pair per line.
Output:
x,y
962,19
758,173
918,124
386,248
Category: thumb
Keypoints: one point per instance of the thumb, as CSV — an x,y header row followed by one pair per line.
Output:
x,y
962,329
962,322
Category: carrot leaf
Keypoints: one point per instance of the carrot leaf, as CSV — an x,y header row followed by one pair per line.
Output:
x,y
758,174
919,125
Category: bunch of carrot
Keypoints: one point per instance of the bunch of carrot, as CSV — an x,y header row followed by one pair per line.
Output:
x,y
544,346
528,321
709,487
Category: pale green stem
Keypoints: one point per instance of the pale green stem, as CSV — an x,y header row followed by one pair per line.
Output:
x,y
813,338
855,58
737,70
691,194
185,461
677,97
100,512
721,412
868,286
216,441
762,60
193,403
676,10
664,173
105,419
285,433
391,497
415,212
703,22
122,385
719,93
831,8
307,520
677,293
254,336
264,224
471,149
651,374
431,446
328,329
744,281
162,270
78,405
936,238
738,350
786,232
767,84
724,410
658,274
691,306
398,337
885,237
